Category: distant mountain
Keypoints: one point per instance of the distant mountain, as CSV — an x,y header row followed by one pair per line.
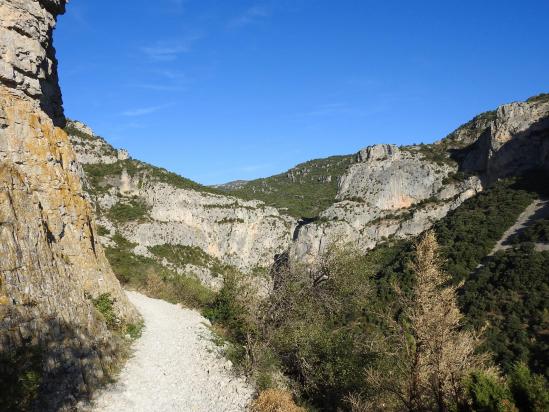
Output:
x,y
234,185
303,191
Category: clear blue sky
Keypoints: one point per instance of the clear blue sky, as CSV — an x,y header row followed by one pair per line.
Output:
x,y
218,90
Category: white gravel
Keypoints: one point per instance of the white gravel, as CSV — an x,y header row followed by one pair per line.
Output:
x,y
538,209
175,367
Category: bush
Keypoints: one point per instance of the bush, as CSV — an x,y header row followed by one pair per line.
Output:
x,y
275,400
537,232
105,306
178,289
530,391
233,307
488,393
510,294
180,255
312,330
134,330
20,378
126,212
149,276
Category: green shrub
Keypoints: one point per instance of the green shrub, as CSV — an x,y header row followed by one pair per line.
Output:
x,y
20,378
179,289
181,255
530,391
470,232
231,308
488,393
510,294
104,304
134,329
102,230
313,333
131,211
538,232
146,274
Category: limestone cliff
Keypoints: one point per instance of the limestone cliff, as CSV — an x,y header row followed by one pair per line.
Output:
x,y
400,192
383,191
151,207
52,264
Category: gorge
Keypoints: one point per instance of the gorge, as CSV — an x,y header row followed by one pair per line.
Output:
x,y
81,220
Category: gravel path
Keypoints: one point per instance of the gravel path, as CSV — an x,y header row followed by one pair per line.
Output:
x,y
536,210
175,367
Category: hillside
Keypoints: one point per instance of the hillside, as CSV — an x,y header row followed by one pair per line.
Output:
x,y
303,191
207,248
400,192
154,221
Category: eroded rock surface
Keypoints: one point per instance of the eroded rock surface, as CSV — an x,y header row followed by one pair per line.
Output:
x,y
52,263
400,192
246,234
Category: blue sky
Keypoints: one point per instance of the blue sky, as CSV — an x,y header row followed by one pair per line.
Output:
x,y
218,90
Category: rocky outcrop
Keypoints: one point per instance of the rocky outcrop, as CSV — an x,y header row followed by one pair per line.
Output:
x,y
400,192
384,191
27,56
52,264
246,234
515,141
389,192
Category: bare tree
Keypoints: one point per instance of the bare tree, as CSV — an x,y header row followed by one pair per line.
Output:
x,y
427,352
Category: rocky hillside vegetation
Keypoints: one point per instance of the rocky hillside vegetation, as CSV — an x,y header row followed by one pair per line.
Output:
x,y
61,307
334,271
341,331
152,221
154,217
393,192
302,192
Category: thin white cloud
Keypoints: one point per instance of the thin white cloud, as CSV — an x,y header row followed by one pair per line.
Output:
x,y
166,80
251,15
143,111
170,50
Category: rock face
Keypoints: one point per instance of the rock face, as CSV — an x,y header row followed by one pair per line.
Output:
x,y
516,140
384,191
27,56
52,264
400,192
388,192
178,212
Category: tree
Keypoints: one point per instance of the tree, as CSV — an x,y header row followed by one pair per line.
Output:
x,y
426,353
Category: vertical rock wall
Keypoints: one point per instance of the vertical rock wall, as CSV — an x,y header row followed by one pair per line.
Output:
x,y
51,264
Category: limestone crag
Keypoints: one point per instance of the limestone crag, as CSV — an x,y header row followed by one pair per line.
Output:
x,y
388,178
241,233
245,234
52,263
27,56
516,141
389,192
400,192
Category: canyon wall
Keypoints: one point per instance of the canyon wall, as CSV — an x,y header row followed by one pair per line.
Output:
x,y
162,209
52,264
393,192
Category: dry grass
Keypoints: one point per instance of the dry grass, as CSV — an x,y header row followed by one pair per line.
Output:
x,y
275,400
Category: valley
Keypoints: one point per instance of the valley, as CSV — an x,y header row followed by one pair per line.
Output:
x,y
398,278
